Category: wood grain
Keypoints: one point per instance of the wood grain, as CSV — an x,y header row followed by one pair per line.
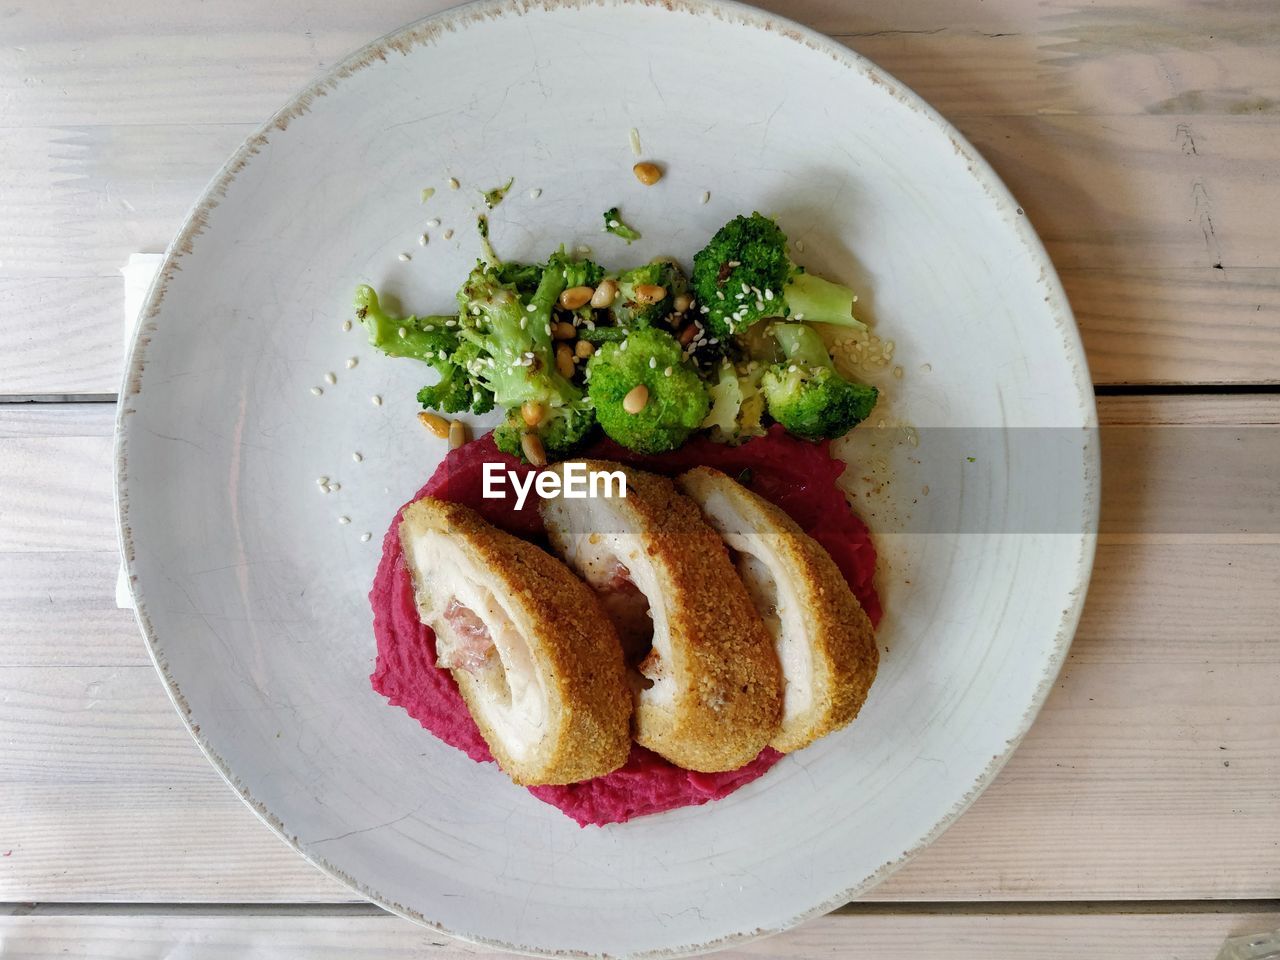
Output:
x,y
864,934
1140,136
1153,772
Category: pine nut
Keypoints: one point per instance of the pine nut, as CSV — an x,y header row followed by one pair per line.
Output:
x,y
687,334
584,349
436,424
576,297
534,452
650,293
682,303
604,295
533,412
647,173
563,331
564,360
637,399
457,434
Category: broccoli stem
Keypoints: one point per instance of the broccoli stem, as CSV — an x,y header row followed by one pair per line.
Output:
x,y
802,345
417,343
816,300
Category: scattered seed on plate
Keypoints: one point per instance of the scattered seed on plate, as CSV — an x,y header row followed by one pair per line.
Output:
x,y
330,378
706,197
926,367
346,326
448,234
428,193
321,481
583,249
453,183
634,137
366,537
344,520
352,361
357,456
316,392
376,400
405,258
433,223
535,193
897,373
800,245
422,240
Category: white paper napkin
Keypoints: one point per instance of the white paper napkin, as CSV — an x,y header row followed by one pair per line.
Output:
x,y
138,274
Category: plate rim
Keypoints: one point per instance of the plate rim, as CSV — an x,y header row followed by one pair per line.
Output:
x,y
405,39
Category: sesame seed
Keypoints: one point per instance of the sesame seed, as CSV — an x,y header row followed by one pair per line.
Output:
x,y
745,289
799,316
613,223
330,379
352,361
453,183
344,520
653,363
404,258
897,373
768,294
402,333
623,346
706,196
704,309
366,537
535,193
634,137
719,294
316,392
333,488
714,340
531,307
433,223
926,367
735,263
800,245
547,328
346,326
448,234
422,240
321,481
376,400
357,456
447,323
583,249
792,369
524,322
666,372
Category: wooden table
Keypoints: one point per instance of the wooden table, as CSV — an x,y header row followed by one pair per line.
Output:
x,y
1140,818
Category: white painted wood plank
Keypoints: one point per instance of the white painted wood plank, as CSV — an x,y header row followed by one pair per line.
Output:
x,y
1154,771
855,934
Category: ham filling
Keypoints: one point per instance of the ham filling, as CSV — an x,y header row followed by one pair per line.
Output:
x,y
472,645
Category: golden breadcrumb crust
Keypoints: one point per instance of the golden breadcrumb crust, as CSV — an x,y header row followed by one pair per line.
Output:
x,y
842,641
575,649
728,700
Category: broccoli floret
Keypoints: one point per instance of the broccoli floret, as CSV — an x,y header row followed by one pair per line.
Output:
x,y
677,402
433,340
805,393
511,333
613,224
737,405
562,431
495,196
523,276
744,274
631,311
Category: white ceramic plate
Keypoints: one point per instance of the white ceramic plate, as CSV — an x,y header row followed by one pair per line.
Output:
x,y
252,595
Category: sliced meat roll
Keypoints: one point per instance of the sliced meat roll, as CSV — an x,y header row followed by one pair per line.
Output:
x,y
537,663
824,639
707,683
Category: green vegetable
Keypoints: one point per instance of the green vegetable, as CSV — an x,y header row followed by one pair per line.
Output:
x,y
806,395
495,196
677,402
613,224
432,340
737,405
630,312
745,274
563,431
513,356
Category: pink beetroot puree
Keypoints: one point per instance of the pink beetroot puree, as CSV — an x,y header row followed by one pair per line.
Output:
x,y
798,476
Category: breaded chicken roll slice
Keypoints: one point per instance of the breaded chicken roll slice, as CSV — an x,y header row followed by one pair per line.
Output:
x,y
538,664
824,639
707,682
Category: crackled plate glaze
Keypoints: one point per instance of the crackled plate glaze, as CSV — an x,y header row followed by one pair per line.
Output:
x,y
251,592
